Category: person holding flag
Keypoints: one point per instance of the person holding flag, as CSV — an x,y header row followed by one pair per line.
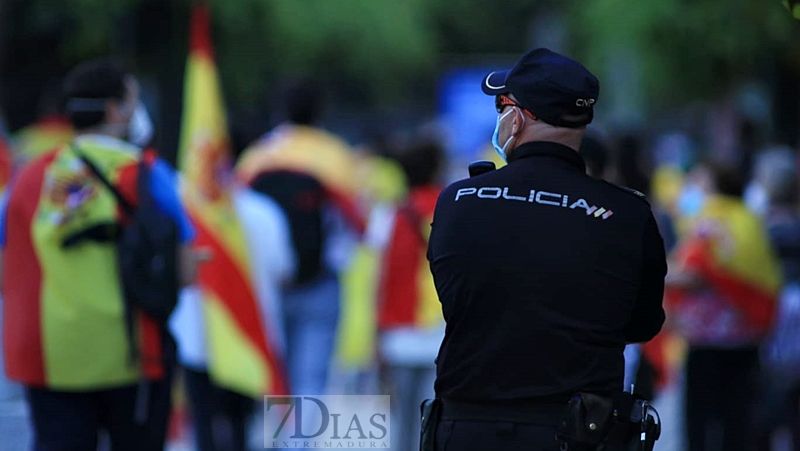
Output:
x,y
229,335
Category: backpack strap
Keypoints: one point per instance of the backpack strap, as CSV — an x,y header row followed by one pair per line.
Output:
x,y
100,233
129,209
133,351
103,232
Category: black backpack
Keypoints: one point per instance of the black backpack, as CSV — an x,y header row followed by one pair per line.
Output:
x,y
301,197
147,252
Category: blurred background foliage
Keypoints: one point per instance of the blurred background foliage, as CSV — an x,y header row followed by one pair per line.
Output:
x,y
687,50
390,54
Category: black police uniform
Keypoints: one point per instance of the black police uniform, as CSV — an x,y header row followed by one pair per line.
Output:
x,y
544,275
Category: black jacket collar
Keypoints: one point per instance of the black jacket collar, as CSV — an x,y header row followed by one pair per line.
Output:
x,y
550,149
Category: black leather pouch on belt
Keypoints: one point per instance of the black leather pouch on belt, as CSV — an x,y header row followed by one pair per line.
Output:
x,y
586,422
431,410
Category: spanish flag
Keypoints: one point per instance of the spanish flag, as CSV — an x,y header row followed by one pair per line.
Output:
x,y
42,136
65,327
407,295
312,151
728,247
240,355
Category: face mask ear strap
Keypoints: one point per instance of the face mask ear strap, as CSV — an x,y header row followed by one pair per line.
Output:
x,y
513,137
508,141
522,115
503,116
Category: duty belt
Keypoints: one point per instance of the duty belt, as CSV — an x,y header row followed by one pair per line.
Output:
x,y
545,414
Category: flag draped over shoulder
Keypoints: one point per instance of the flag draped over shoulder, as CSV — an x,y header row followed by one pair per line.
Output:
x,y
311,151
42,136
241,358
728,246
407,293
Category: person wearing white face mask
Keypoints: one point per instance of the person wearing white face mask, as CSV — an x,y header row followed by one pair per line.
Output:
x,y
722,288
517,125
544,274
67,334
127,118
140,129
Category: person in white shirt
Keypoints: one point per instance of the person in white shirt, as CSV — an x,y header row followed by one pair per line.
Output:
x,y
272,264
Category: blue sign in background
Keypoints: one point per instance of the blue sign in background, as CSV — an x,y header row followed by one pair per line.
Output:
x,y
467,113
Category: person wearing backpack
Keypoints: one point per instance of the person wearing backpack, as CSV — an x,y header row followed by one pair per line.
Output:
x,y
310,173
90,235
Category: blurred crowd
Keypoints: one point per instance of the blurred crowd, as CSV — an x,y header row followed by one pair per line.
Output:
x,y
347,304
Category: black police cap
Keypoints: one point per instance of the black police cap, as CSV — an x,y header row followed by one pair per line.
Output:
x,y
557,89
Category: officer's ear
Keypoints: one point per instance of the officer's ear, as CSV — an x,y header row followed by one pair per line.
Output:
x,y
519,120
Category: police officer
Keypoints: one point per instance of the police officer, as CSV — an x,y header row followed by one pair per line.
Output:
x,y
544,273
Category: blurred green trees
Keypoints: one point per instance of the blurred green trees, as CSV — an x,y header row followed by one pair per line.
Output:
x,y
385,48
376,45
389,49
687,49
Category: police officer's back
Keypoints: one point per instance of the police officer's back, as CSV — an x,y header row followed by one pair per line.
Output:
x,y
544,273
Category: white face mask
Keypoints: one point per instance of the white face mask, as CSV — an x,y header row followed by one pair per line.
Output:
x,y
501,150
140,128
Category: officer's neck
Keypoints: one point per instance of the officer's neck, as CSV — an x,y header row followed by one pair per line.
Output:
x,y
540,131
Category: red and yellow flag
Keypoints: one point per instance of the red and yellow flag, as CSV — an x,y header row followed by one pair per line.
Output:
x,y
407,295
42,136
58,302
312,151
240,356
728,247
